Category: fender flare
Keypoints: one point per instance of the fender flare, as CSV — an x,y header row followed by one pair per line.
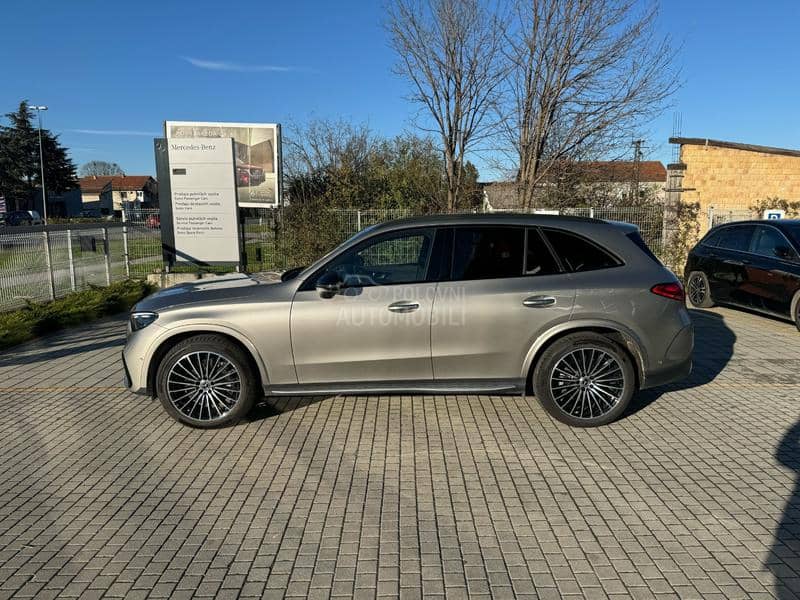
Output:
x,y
199,328
632,342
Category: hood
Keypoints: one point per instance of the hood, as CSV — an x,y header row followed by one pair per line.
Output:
x,y
225,288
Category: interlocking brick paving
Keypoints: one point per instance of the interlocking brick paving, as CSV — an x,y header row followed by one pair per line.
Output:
x,y
693,494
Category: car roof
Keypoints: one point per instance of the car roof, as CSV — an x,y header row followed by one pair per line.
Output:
x,y
524,219
776,222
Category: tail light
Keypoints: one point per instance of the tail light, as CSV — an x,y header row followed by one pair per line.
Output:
x,y
673,291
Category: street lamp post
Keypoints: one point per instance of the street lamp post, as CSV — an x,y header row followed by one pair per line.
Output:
x,y
39,110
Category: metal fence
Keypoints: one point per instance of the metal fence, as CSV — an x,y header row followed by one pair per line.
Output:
x,y
40,264
44,264
720,216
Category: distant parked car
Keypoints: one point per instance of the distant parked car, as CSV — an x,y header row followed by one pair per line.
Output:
x,y
24,218
90,213
578,311
752,264
153,222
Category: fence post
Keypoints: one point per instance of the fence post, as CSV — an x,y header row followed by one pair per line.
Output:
x,y
107,250
49,263
591,212
358,219
71,260
125,245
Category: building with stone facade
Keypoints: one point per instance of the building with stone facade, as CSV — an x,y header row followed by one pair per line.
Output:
x,y
727,178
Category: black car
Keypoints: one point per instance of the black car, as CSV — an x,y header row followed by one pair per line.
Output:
x,y
752,264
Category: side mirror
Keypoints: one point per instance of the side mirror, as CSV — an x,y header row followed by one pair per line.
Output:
x,y
329,284
784,252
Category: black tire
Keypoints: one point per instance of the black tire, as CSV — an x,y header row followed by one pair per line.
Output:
x,y
217,399
698,290
796,304
605,396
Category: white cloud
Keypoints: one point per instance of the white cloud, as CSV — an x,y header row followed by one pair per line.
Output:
x,y
221,65
114,132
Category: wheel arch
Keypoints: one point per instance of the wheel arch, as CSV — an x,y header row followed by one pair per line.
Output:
x,y
626,339
176,336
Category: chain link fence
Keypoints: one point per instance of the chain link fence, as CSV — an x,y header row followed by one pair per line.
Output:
x,y
40,264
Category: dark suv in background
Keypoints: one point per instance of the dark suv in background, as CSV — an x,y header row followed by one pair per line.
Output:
x,y
752,264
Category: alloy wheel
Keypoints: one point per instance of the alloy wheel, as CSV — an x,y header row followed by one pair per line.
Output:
x,y
697,290
204,386
587,383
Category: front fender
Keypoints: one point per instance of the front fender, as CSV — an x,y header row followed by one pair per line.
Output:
x,y
199,327
632,341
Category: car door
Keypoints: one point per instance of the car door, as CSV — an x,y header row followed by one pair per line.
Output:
x,y
377,328
729,277
504,287
770,270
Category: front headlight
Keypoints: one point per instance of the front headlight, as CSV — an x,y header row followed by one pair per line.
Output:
x,y
140,320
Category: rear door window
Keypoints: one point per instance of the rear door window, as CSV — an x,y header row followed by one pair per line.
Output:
x,y
538,258
488,252
736,238
578,254
767,241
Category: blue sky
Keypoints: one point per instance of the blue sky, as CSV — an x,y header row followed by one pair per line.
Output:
x,y
112,72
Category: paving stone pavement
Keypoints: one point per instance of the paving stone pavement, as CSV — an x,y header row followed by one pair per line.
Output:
x,y
693,494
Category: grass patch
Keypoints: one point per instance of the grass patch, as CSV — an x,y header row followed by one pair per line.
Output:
x,y
80,307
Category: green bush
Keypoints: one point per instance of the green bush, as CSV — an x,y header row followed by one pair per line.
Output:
x,y
39,319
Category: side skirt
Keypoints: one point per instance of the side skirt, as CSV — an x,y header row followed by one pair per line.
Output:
x,y
448,386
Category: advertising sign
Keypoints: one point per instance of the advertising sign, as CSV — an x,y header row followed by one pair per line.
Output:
x,y
257,147
205,223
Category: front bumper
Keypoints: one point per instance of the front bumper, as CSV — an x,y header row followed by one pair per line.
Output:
x,y
126,376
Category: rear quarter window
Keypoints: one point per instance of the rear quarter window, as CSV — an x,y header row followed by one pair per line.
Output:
x,y
637,239
578,254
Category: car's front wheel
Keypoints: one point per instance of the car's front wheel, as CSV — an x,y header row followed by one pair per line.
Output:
x,y
699,290
207,381
584,380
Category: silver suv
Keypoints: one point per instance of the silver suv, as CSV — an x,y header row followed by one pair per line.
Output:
x,y
577,311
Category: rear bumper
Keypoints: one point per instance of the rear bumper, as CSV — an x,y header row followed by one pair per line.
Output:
x,y
671,374
677,362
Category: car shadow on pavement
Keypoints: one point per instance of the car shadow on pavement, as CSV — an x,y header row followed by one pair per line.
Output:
x,y
46,352
271,406
783,559
713,349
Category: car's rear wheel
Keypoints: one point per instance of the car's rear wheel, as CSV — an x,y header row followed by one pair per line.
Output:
x,y
584,380
698,290
207,381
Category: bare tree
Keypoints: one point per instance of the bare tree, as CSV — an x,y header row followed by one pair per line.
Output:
x,y
321,144
448,50
100,167
583,76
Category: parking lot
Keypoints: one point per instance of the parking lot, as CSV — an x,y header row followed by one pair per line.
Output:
x,y
692,494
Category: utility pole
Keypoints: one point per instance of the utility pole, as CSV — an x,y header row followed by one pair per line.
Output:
x,y
39,110
637,164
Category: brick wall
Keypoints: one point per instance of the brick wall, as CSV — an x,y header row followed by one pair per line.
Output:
x,y
734,179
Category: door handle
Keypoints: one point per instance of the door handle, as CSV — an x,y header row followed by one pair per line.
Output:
x,y
539,301
735,263
404,306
